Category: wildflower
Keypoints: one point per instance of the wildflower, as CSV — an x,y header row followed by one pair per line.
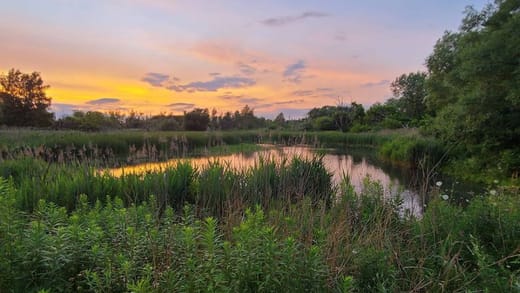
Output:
x,y
354,251
493,192
438,183
445,197
495,181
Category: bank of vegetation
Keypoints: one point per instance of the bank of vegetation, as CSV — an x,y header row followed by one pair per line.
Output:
x,y
278,226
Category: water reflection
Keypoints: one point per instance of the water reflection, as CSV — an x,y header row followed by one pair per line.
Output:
x,y
357,166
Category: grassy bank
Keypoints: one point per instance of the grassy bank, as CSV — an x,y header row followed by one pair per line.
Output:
x,y
154,145
211,188
72,145
273,228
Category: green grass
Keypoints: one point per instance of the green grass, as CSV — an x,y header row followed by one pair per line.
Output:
x,y
275,227
212,188
412,151
404,147
156,145
359,243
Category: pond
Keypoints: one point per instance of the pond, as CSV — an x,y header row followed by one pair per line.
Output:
x,y
356,164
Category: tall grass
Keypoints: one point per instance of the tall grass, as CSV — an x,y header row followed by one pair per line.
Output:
x,y
359,243
137,146
212,189
278,226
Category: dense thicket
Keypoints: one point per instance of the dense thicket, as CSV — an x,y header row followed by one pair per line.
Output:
x,y
72,229
473,86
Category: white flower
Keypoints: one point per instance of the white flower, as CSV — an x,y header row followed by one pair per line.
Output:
x,y
354,251
493,192
438,183
495,181
445,197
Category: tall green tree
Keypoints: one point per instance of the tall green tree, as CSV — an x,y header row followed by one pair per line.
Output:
x,y
24,101
474,82
410,91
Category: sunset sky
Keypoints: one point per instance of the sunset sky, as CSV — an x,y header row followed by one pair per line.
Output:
x,y
166,56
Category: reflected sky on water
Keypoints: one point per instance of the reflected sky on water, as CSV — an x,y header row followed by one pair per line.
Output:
x,y
357,166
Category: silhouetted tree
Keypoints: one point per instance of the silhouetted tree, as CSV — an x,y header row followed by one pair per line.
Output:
x,y
227,122
23,99
197,119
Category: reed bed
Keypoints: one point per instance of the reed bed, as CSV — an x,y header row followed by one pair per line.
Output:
x,y
112,147
276,227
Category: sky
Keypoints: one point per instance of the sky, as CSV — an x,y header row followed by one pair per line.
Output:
x,y
171,56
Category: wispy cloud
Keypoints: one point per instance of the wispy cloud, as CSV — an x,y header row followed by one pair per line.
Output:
x,y
302,93
250,101
103,101
155,79
246,69
230,96
281,103
294,72
248,61
218,82
324,89
284,20
298,101
340,36
181,106
241,99
375,84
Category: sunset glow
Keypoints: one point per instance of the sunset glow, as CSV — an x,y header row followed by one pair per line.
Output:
x,y
169,56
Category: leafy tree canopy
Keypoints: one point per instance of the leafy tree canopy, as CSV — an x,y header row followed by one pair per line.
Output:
x,y
23,99
474,81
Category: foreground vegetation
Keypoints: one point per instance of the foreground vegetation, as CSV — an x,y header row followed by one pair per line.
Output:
x,y
276,227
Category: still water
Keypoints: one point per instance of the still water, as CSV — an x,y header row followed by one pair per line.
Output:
x,y
355,164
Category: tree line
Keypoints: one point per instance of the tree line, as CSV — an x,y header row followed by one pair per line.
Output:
x,y
23,102
197,119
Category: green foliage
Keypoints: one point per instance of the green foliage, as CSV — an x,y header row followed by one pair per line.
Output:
x,y
375,271
213,189
360,242
304,177
90,121
473,84
341,117
412,151
410,91
386,116
478,243
324,123
112,248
